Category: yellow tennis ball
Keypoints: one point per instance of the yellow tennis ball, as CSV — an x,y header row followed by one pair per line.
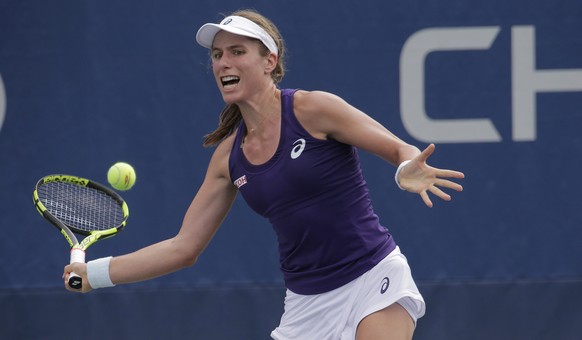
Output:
x,y
121,176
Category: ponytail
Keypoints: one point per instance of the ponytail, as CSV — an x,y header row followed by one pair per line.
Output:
x,y
229,120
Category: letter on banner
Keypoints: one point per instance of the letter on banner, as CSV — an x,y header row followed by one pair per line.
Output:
x,y
412,75
526,81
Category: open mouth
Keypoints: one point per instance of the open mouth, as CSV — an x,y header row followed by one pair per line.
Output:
x,y
229,81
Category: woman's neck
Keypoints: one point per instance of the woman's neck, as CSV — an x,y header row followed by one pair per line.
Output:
x,y
265,106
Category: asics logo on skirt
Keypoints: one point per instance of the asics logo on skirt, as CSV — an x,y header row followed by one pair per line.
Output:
x,y
385,284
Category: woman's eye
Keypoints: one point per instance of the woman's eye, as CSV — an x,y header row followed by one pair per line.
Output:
x,y
237,52
216,55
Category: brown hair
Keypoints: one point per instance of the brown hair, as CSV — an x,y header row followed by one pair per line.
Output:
x,y
230,116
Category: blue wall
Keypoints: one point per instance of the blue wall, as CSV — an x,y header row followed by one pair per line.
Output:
x,y
497,85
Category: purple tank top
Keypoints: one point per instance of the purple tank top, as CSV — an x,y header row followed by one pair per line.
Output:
x,y
313,193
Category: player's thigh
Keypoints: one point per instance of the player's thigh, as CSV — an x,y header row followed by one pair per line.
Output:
x,y
390,323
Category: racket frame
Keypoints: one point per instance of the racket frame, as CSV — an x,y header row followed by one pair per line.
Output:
x,y
78,248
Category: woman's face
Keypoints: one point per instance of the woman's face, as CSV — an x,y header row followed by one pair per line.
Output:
x,y
238,66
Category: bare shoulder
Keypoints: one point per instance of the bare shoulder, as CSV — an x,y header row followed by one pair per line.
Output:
x,y
226,145
322,113
314,101
315,111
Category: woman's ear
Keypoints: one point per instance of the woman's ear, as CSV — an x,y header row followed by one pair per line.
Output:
x,y
271,63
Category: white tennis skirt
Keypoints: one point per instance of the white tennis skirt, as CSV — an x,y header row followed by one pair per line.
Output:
x,y
336,314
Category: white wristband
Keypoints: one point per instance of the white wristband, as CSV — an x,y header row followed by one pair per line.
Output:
x,y
402,165
98,273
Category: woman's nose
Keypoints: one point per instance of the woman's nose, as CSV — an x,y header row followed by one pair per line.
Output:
x,y
222,63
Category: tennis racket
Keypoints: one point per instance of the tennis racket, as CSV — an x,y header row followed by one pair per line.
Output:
x,y
77,205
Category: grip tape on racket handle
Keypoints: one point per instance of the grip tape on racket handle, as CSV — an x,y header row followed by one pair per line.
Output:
x,y
75,281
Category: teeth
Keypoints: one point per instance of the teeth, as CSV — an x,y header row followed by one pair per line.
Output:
x,y
229,78
229,81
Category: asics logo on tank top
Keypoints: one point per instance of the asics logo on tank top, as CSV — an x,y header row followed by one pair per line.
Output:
x,y
298,147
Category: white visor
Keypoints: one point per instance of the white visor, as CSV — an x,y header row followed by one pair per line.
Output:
x,y
236,25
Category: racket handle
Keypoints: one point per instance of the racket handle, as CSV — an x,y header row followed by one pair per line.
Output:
x,y
75,281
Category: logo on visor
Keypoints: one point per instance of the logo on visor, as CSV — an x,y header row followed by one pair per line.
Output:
x,y
227,22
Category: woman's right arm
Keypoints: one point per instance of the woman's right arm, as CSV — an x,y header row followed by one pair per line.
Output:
x,y
201,221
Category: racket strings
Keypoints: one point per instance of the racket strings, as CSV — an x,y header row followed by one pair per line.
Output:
x,y
82,208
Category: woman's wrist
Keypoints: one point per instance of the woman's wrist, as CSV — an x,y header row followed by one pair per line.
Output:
x,y
402,165
98,273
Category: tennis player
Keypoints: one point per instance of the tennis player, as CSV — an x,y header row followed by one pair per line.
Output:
x,y
292,154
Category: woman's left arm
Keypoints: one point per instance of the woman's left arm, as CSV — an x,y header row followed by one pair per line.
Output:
x,y
327,116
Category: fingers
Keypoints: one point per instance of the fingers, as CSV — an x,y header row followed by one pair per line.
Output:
x,y
439,193
429,179
433,189
426,199
425,154
444,183
67,272
450,173
79,269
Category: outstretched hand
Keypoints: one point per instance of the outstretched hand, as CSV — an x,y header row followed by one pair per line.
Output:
x,y
418,177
